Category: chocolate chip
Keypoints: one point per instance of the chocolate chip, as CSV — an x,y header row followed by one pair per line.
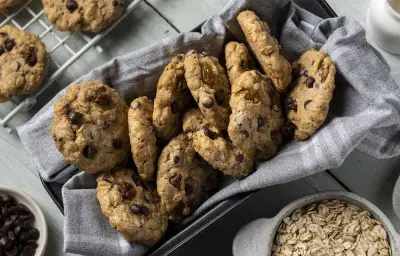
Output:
x,y
137,180
174,108
89,151
135,105
34,234
32,243
206,74
310,82
9,44
276,136
244,134
75,118
145,211
1,50
102,99
115,3
290,104
117,144
18,230
31,56
177,159
288,130
260,122
188,189
139,210
306,103
176,180
24,236
71,5
28,251
5,242
239,158
210,134
127,192
220,97
207,102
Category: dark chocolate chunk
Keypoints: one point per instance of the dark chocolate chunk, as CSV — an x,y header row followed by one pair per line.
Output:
x,y
310,82
240,158
31,58
75,118
115,3
210,134
175,180
136,209
127,191
9,44
177,159
71,5
244,134
260,122
290,104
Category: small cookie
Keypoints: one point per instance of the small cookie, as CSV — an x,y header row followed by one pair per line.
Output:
x,y
23,60
256,117
173,96
214,147
143,137
307,104
209,86
90,126
266,49
132,208
83,15
4,4
184,179
238,60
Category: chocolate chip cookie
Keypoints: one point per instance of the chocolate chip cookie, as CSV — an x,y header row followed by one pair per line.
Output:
x,y
4,4
90,126
266,49
132,208
83,15
184,179
307,104
23,59
143,137
209,86
256,117
215,147
172,98
238,60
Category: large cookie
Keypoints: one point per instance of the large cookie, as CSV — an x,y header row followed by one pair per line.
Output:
x,y
143,137
133,208
238,60
90,126
266,49
4,4
83,15
23,59
172,98
209,86
215,147
184,179
307,104
256,117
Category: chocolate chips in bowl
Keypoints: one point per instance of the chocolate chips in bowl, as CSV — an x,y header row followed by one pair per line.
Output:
x,y
23,230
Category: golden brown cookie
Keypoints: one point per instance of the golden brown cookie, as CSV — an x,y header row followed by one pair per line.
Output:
x,y
266,49
4,4
133,208
90,126
238,60
307,104
209,86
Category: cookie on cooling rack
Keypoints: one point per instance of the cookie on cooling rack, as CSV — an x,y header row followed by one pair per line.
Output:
x,y
80,15
4,4
23,59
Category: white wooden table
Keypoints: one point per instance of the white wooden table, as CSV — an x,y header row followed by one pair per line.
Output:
x,y
157,19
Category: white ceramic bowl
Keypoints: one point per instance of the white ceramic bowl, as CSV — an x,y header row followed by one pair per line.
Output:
x,y
256,238
40,221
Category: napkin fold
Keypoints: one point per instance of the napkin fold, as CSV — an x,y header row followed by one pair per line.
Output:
x,y
364,112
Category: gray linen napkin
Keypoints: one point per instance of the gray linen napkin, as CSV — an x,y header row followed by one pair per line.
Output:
x,y
364,112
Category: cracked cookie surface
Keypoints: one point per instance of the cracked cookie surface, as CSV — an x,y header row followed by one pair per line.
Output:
x,y
209,86
307,104
132,207
143,137
215,147
256,117
83,15
184,179
90,126
266,49
23,60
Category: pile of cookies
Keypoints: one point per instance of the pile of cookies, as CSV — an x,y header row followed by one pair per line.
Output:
x,y
202,122
23,55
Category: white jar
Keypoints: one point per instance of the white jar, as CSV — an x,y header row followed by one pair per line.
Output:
x,y
383,24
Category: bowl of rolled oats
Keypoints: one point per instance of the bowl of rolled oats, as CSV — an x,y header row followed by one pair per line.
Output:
x,y
327,223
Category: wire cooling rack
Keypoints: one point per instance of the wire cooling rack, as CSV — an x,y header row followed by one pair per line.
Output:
x,y
30,16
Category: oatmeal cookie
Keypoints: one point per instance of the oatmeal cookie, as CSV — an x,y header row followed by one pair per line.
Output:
x,y
4,4
307,104
90,126
215,147
133,208
83,15
143,137
172,98
238,60
256,117
209,86
266,49
184,179
23,60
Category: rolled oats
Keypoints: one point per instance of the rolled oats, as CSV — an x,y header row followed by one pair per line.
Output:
x,y
331,227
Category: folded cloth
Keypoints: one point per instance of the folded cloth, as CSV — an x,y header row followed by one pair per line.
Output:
x,y
364,111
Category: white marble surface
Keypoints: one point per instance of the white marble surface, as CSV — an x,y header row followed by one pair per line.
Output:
x,y
150,22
